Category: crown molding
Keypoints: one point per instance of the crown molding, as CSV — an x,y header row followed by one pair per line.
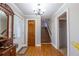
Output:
x,y
16,10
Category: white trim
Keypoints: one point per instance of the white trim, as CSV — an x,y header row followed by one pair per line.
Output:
x,y
24,45
45,43
56,48
66,10
51,38
16,10
54,45
37,44
60,8
68,33
49,33
26,32
19,48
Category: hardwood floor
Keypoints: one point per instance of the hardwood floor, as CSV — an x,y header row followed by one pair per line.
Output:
x,y
45,38
44,50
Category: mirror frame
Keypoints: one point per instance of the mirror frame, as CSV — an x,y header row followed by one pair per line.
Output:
x,y
5,19
8,11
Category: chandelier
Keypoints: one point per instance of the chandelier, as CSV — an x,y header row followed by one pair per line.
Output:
x,y
39,10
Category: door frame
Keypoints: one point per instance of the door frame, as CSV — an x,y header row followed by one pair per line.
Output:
x,y
26,32
68,30
34,29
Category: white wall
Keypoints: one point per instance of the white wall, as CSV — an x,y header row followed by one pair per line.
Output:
x,y
51,29
37,29
73,22
16,10
19,31
18,25
49,23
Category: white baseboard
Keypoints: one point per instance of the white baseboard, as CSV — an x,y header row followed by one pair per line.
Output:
x,y
18,48
54,45
51,38
24,45
45,43
38,45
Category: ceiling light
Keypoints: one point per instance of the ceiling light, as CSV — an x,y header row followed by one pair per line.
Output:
x,y
38,10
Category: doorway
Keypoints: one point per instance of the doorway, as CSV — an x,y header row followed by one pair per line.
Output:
x,y
45,38
31,32
63,33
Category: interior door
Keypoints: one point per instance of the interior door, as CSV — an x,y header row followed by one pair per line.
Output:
x,y
31,32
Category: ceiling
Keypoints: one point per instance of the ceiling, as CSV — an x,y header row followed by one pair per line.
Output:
x,y
50,8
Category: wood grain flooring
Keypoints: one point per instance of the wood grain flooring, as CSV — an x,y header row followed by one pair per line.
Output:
x,y
44,50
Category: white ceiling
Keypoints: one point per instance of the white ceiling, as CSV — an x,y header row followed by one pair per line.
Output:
x,y
27,8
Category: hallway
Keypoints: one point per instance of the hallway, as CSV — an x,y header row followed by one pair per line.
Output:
x,y
49,29
43,50
46,49
42,41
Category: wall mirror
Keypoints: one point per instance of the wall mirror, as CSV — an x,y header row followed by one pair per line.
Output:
x,y
6,21
3,24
